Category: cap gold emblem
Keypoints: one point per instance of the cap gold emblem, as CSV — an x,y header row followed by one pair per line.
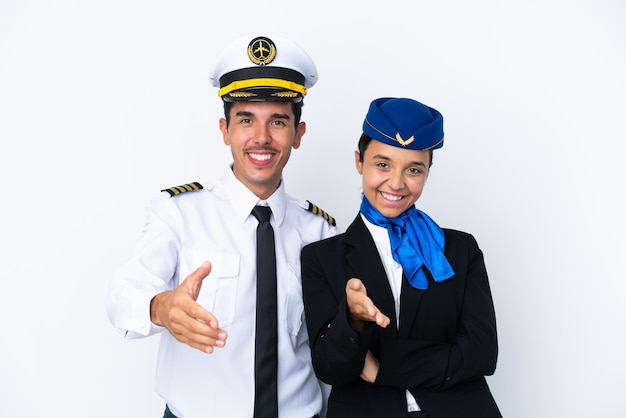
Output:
x,y
261,50
403,142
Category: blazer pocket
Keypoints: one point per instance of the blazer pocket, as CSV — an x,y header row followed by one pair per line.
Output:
x,y
218,293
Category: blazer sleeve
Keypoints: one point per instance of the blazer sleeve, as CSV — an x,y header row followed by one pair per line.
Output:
x,y
337,351
450,350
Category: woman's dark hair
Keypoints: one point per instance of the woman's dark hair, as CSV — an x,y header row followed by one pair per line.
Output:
x,y
365,140
296,107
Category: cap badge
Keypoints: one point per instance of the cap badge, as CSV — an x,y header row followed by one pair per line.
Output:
x,y
403,142
261,50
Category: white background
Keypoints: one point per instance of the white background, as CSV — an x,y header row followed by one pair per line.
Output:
x,y
104,103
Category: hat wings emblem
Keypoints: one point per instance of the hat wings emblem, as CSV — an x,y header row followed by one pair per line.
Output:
x,y
403,142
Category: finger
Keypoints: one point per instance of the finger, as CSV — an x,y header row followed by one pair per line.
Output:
x,y
193,282
204,269
208,328
205,345
208,344
355,284
202,341
359,302
199,335
369,308
201,315
382,320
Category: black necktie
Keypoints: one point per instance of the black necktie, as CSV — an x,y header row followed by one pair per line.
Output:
x,y
266,346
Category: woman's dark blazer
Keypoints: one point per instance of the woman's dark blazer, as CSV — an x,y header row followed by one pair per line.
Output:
x,y
444,347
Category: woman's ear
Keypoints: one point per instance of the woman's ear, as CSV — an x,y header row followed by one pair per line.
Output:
x,y
357,162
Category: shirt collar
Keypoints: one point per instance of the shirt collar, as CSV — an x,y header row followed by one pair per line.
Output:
x,y
379,234
243,200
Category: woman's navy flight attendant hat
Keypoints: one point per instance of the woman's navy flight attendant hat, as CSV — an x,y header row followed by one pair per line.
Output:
x,y
404,123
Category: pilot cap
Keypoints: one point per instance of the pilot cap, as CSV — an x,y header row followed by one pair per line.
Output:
x,y
404,123
263,68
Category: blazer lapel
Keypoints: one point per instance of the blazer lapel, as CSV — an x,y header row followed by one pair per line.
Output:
x,y
364,261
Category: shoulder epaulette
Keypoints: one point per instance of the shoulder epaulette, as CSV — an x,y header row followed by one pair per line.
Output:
x,y
313,208
189,187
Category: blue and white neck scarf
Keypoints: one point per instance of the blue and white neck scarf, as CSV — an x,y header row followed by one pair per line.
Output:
x,y
416,241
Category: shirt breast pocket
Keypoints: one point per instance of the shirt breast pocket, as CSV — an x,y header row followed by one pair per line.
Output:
x,y
219,289
295,305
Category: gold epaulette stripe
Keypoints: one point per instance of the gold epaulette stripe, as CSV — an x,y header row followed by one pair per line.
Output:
x,y
313,208
189,187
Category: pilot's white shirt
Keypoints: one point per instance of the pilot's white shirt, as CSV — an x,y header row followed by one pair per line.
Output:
x,y
215,224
